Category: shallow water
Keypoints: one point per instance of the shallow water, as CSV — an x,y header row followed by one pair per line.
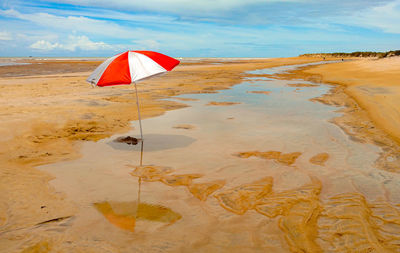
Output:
x,y
234,178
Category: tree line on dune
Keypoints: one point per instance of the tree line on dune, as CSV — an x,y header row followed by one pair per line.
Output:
x,y
357,54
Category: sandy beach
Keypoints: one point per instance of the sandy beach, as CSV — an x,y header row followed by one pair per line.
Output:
x,y
246,172
369,90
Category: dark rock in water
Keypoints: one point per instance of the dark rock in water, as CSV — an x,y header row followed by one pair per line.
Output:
x,y
128,140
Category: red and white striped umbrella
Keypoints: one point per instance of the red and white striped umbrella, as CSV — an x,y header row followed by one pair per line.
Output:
x,y
130,67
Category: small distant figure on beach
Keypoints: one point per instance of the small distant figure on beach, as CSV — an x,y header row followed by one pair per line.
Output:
x,y
342,59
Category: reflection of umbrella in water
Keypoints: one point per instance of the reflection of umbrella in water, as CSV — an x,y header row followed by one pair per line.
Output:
x,y
131,67
125,214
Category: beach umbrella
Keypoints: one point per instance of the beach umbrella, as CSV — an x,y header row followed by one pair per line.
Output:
x,y
130,67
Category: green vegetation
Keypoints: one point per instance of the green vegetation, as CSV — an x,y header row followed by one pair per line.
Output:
x,y
357,54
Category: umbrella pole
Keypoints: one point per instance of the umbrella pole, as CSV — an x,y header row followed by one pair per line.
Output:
x,y
138,109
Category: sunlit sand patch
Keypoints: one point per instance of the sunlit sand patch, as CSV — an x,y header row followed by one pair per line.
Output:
x,y
222,103
286,159
350,224
179,180
203,190
162,174
40,247
319,159
260,92
151,173
302,85
119,99
242,198
158,173
125,214
184,126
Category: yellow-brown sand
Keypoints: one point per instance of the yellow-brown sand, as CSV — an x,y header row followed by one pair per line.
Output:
x,y
349,222
298,209
163,174
47,110
370,93
319,159
374,84
244,197
203,190
287,159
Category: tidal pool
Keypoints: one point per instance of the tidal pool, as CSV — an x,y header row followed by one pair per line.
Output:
x,y
260,169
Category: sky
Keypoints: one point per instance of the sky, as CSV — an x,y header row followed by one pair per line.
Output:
x,y
197,28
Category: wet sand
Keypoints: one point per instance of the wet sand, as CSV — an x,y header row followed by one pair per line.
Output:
x,y
268,179
368,92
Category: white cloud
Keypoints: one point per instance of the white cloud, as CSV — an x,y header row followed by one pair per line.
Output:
x,y
44,30
45,45
73,43
249,12
175,6
70,23
147,44
5,35
385,17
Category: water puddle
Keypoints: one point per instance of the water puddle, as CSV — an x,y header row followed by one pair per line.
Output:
x,y
258,167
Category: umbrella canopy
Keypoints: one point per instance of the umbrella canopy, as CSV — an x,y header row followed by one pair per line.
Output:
x,y
130,67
